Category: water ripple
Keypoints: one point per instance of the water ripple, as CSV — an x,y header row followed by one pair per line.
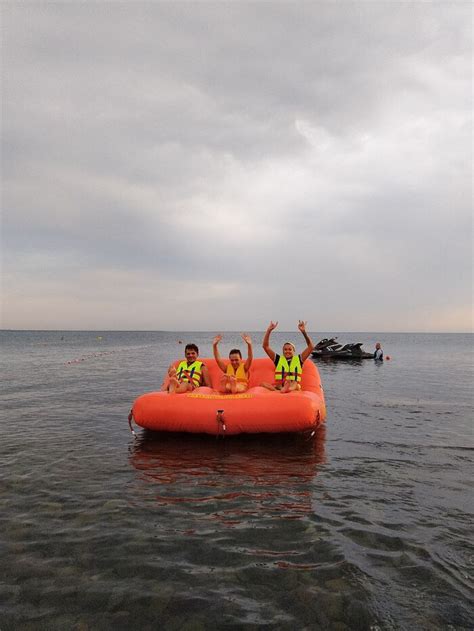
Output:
x,y
366,527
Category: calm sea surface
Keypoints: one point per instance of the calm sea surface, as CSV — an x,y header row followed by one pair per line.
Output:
x,y
366,527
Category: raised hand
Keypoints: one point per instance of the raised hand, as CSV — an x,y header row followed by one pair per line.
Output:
x,y
266,341
247,339
217,339
302,326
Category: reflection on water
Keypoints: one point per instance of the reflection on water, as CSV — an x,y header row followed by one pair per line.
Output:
x,y
244,475
352,361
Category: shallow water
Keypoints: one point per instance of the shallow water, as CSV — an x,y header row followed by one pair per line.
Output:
x,y
365,527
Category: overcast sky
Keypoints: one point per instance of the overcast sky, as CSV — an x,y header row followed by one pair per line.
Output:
x,y
212,166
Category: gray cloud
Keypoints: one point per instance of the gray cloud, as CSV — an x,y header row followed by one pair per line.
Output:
x,y
245,161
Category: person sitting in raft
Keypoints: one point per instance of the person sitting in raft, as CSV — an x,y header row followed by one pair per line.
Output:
x,y
378,353
189,374
288,366
236,374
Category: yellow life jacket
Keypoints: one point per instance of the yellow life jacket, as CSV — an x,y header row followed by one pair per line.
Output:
x,y
239,374
191,373
291,371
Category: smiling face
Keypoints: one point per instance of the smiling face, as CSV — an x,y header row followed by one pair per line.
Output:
x,y
288,350
191,355
235,359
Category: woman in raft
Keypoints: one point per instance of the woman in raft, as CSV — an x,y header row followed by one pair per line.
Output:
x,y
236,374
288,366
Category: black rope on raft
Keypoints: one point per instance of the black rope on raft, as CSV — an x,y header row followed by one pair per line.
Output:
x,y
221,426
312,432
130,418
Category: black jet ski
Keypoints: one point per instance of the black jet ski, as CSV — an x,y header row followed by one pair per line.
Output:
x,y
328,348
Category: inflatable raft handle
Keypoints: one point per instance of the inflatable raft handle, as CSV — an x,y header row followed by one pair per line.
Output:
x,y
130,417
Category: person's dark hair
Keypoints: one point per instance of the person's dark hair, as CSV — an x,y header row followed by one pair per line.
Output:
x,y
235,350
191,347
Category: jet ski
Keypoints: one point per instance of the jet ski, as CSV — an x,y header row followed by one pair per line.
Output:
x,y
329,348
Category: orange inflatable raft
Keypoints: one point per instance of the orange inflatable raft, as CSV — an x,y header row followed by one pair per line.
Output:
x,y
206,411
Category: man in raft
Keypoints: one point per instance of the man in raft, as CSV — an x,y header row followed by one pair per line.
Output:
x,y
288,365
189,374
236,374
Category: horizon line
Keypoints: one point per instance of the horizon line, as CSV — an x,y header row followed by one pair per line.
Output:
x,y
213,331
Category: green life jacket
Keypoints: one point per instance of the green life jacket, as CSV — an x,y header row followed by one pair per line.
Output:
x,y
191,373
288,371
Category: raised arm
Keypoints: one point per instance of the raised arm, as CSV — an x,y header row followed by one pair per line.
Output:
x,y
217,357
266,340
305,354
248,340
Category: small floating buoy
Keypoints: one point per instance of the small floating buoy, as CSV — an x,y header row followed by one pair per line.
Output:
x,y
388,357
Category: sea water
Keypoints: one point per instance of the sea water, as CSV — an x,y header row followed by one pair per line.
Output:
x,y
367,526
